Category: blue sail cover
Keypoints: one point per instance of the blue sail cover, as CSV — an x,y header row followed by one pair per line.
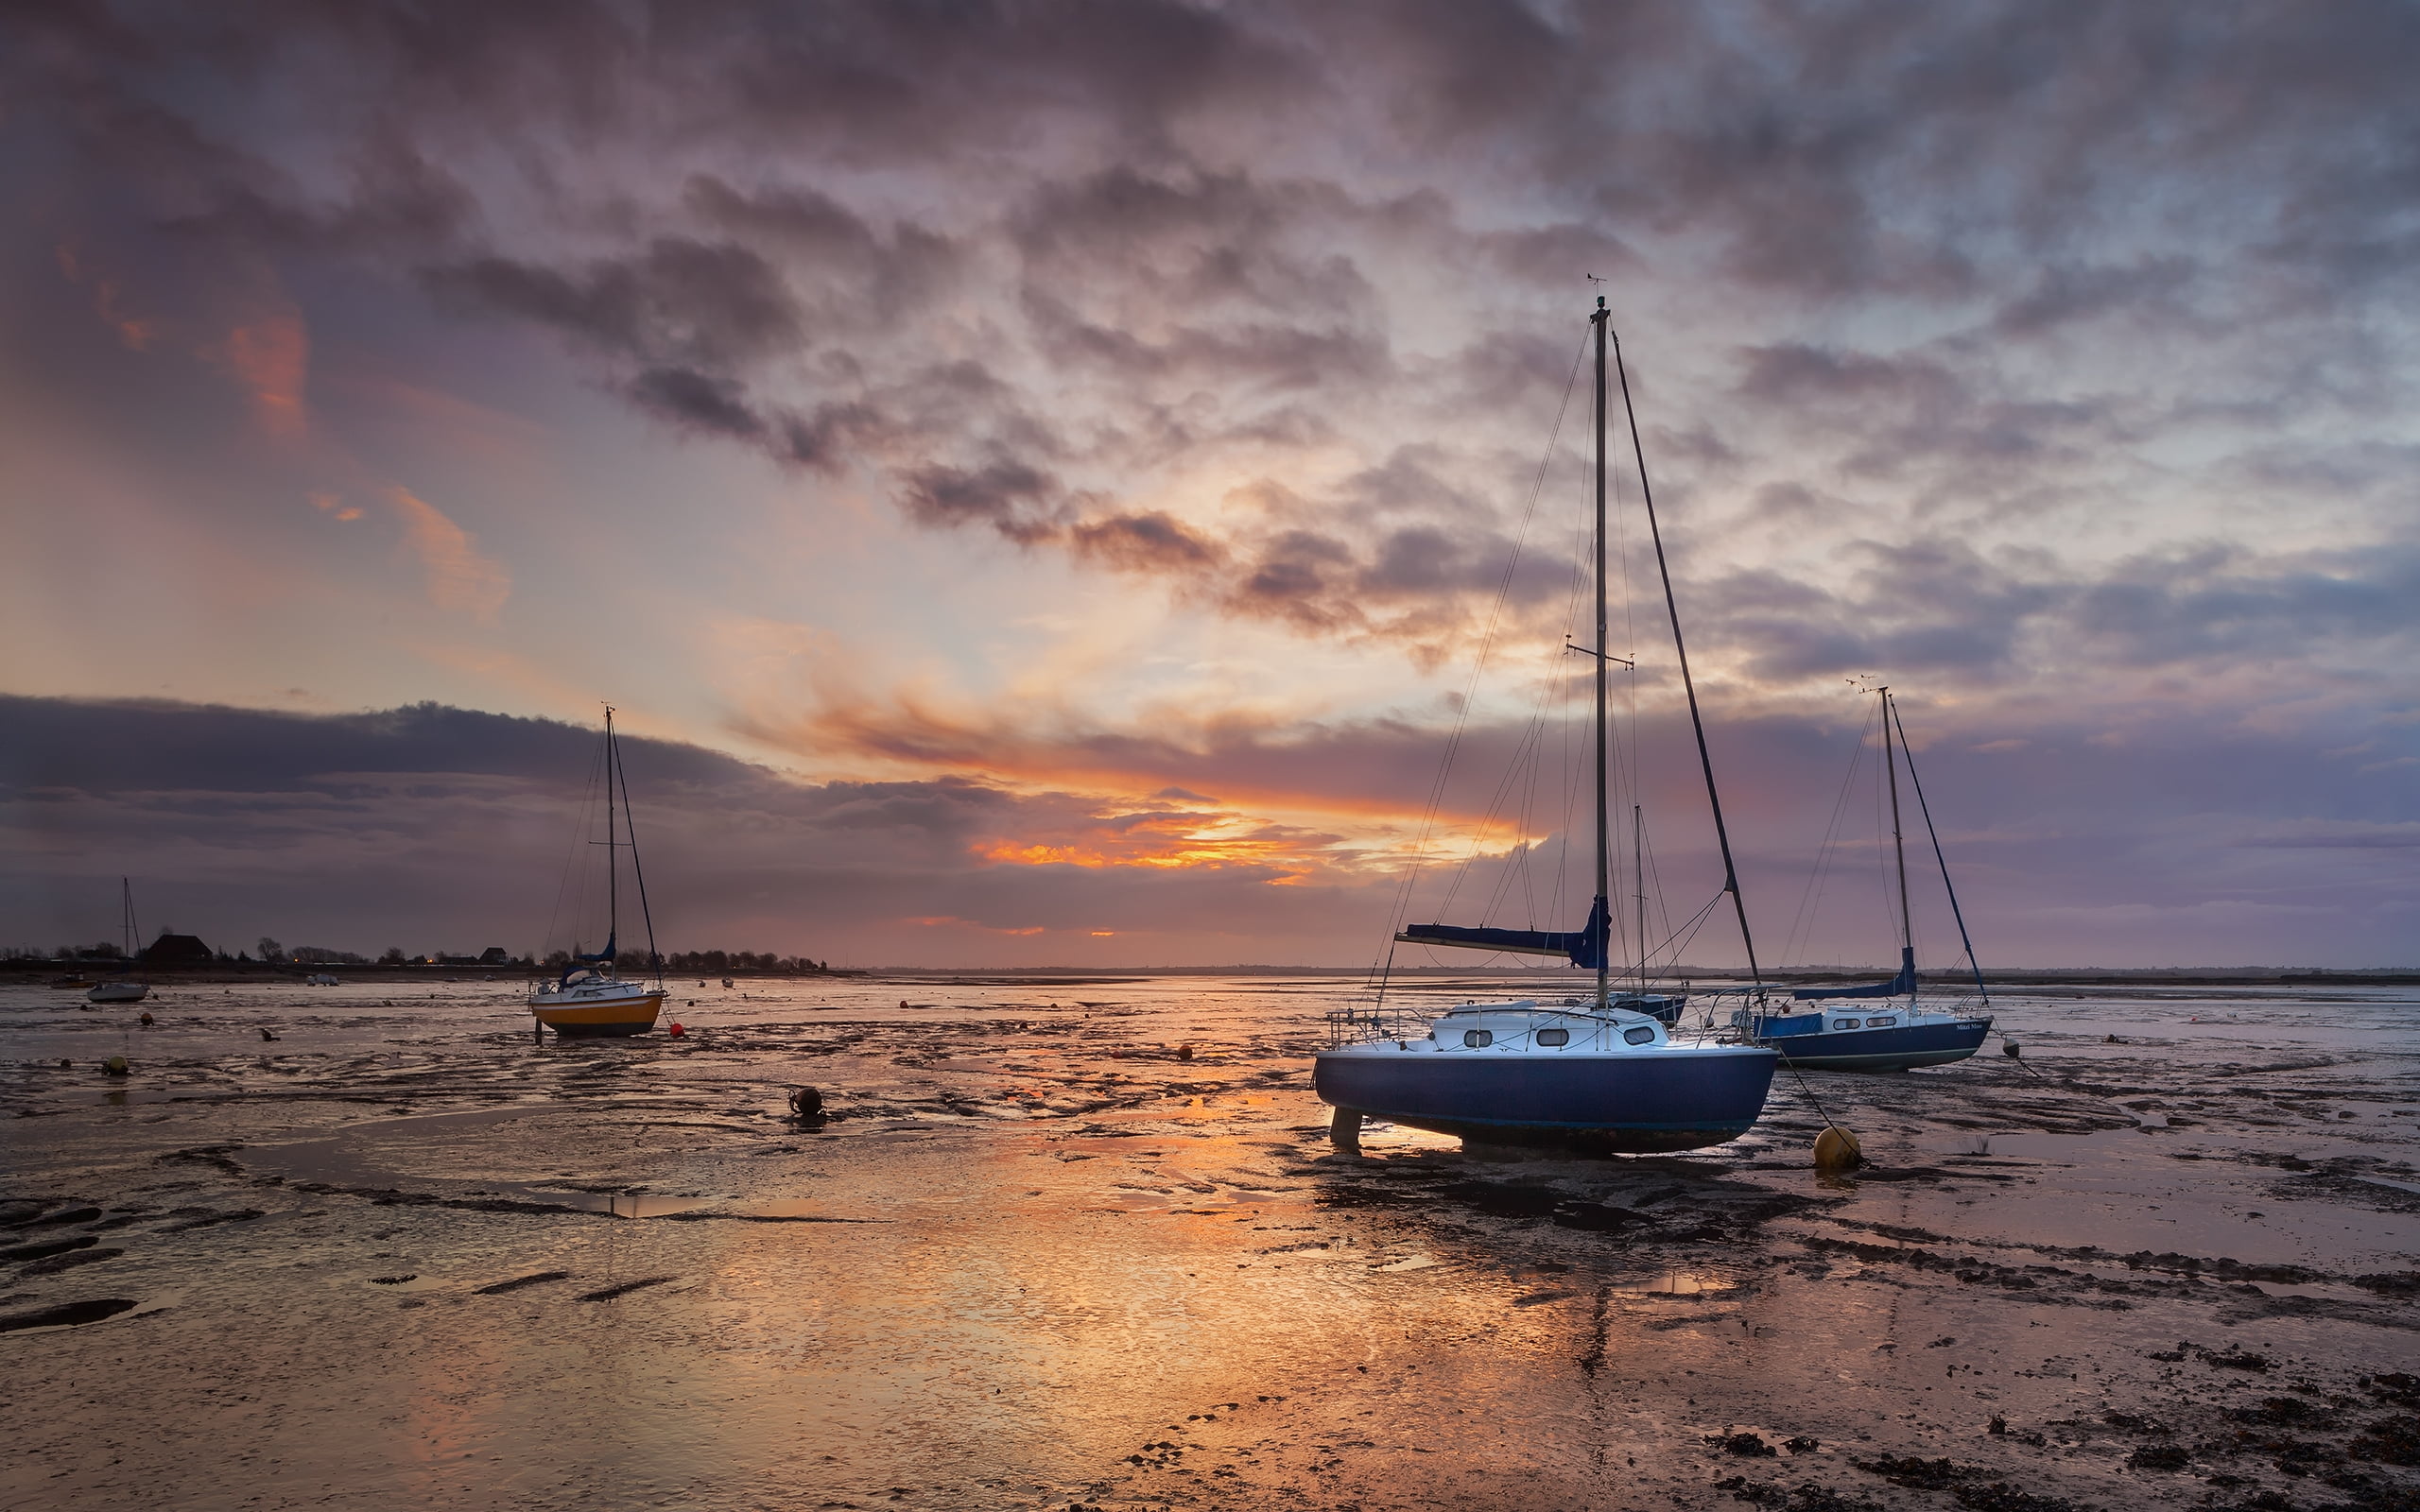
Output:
x,y
1901,986
605,955
1583,947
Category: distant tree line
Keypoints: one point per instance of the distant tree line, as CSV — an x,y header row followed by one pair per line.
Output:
x,y
272,953
711,962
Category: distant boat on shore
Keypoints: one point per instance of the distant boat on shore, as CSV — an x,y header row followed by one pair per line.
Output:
x,y
125,989
591,998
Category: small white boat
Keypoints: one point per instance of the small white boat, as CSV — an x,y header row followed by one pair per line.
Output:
x,y
591,999
125,989
322,979
591,1002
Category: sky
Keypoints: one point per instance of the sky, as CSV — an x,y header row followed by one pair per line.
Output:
x,y
1048,483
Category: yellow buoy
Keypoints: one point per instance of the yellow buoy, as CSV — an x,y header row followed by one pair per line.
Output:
x,y
1836,1149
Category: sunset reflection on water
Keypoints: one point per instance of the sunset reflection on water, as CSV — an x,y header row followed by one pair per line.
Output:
x,y
1036,1259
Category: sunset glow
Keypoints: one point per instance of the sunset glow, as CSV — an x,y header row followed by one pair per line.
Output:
x,y
1079,508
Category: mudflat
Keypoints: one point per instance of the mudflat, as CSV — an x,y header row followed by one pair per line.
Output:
x,y
1083,1243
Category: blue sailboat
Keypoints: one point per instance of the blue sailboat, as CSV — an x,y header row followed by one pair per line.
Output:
x,y
1866,1027
1603,1076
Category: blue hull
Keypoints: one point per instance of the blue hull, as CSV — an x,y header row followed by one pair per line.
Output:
x,y
1611,1104
1895,1049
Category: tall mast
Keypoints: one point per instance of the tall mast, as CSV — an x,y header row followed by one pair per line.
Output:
x,y
1906,928
125,913
1638,876
612,879
1602,320
1672,606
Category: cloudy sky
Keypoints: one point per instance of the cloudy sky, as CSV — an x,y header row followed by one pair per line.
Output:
x,y
1037,478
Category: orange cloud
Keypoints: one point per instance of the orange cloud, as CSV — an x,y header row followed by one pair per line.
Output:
x,y
332,503
273,357
460,579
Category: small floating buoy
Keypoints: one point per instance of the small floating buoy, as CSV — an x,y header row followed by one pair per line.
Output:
x,y
805,1103
148,1019
115,1066
1185,1051
2008,1048
1836,1149
903,1002
675,1031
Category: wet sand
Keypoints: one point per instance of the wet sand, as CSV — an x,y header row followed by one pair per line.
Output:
x,y
1038,1257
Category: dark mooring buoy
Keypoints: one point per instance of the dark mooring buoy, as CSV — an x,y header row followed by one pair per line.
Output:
x,y
805,1104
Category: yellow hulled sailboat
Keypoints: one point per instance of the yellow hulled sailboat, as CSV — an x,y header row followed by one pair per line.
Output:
x,y
591,997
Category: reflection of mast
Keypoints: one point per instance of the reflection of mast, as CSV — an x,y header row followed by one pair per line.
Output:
x,y
1907,927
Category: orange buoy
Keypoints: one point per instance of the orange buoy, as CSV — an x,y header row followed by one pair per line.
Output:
x,y
675,1031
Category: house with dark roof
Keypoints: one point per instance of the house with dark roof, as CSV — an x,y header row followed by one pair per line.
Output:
x,y
175,950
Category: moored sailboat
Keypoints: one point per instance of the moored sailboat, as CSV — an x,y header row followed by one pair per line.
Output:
x,y
591,998
1600,1078
1869,1029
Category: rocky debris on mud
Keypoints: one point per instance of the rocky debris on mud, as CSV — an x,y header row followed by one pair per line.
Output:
x,y
1795,1498
1751,1445
2158,1457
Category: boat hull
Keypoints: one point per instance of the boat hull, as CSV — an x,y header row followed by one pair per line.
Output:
x,y
118,992
612,1017
1608,1105
1902,1048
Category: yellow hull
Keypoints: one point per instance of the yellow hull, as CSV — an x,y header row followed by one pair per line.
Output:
x,y
625,1015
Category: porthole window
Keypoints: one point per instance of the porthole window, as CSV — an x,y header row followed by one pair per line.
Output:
x,y
1880,1024
1843,1023
1477,1038
1554,1037
1637,1036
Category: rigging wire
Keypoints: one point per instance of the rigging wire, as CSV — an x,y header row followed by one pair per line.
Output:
x,y
629,827
1801,925
1955,912
1487,641
576,858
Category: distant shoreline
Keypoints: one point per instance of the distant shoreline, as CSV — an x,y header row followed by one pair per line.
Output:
x,y
24,971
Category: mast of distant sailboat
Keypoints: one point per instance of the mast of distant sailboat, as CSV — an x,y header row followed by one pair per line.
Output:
x,y
1899,848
